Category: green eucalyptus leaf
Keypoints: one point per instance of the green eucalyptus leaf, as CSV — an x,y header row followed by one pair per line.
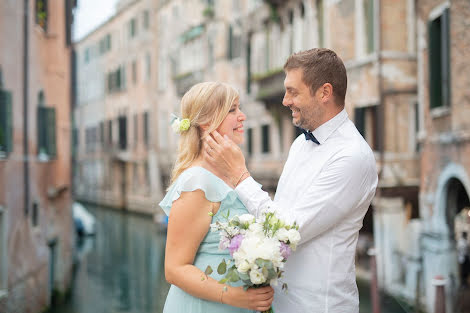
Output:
x,y
244,276
222,268
208,270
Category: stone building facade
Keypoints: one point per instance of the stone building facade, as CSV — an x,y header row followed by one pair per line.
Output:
x,y
114,117
36,228
443,66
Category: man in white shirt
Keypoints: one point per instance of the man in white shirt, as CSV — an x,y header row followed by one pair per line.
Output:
x,y
327,185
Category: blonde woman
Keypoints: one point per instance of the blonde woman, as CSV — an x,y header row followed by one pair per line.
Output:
x,y
194,193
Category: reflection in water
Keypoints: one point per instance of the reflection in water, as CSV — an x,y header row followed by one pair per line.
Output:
x,y
121,268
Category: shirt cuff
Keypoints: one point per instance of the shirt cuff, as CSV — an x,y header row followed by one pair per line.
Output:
x,y
247,189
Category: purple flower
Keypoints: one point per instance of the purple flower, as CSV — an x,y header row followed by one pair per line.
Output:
x,y
235,244
285,250
224,243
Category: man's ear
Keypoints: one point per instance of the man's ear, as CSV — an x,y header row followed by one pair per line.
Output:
x,y
325,92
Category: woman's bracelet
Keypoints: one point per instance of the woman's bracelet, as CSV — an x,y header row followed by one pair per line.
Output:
x,y
241,176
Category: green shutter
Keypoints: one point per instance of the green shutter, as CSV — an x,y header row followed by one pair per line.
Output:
x,y
9,122
445,55
370,25
51,133
6,122
41,130
230,42
435,66
359,120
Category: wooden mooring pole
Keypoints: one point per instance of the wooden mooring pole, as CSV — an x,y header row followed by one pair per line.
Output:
x,y
374,287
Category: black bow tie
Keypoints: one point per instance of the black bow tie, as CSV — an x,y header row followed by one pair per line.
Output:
x,y
310,136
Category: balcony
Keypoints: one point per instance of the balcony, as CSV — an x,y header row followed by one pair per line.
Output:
x,y
270,86
186,80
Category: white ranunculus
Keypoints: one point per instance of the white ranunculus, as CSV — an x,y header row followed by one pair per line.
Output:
x,y
256,228
294,237
282,234
246,218
244,267
257,277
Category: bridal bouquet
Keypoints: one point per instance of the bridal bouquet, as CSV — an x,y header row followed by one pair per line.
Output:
x,y
259,249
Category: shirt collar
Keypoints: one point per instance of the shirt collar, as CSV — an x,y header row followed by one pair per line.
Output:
x,y
326,129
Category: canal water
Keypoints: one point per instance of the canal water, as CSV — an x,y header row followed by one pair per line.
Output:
x,y
120,270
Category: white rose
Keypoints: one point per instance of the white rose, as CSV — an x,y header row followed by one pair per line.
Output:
x,y
257,277
282,235
246,218
244,267
176,125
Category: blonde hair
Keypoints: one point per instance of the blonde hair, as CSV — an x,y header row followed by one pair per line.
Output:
x,y
205,104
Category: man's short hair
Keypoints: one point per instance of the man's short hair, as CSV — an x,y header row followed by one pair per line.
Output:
x,y
320,66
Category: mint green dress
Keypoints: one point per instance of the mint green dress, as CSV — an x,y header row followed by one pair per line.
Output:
x,y
216,190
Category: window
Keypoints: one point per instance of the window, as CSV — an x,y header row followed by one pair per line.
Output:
x,y
439,66
35,215
41,13
75,142
105,44
265,138
369,25
110,133
102,133
148,67
234,42
134,71
365,120
249,141
87,55
136,129
117,80
132,28
248,65
6,122
3,251
320,19
46,131
146,128
146,21
122,126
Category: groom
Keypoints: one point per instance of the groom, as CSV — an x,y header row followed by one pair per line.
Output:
x,y
327,185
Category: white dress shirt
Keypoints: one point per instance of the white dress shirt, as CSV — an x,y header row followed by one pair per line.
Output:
x,y
327,189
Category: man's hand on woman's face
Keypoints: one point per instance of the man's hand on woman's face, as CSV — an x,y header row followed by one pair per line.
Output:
x,y
225,157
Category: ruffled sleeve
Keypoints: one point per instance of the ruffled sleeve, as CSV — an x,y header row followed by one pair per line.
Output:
x,y
194,178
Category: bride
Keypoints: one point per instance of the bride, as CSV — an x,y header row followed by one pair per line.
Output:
x,y
195,199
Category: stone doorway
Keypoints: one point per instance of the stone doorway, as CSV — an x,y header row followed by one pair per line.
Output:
x,y
458,219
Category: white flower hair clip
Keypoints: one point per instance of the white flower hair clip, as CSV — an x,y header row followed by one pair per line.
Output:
x,y
179,125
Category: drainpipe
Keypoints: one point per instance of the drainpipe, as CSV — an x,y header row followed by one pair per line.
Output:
x,y
25,106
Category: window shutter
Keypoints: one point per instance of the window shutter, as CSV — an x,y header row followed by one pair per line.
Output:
x,y
435,62
6,125
359,120
230,39
41,130
51,132
445,55
9,122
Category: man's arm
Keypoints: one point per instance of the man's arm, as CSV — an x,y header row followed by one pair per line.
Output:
x,y
336,192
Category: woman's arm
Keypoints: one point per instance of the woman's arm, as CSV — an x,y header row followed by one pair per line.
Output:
x,y
188,223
